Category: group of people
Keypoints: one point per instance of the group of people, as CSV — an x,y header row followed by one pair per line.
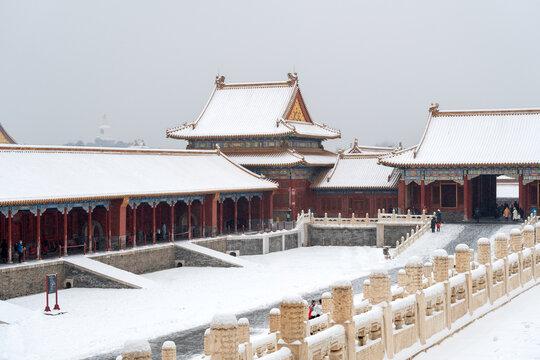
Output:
x,y
315,309
436,221
513,212
19,250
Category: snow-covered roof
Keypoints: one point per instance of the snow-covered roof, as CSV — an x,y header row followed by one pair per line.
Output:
x,y
363,149
254,109
43,173
287,157
474,138
507,190
5,138
357,172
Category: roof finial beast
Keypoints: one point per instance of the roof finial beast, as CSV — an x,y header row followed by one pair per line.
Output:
x,y
293,77
434,109
220,81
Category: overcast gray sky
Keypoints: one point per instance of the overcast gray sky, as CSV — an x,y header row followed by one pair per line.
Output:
x,y
370,69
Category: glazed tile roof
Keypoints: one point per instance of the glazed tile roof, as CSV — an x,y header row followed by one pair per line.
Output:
x,y
253,109
366,150
474,138
45,173
358,172
286,157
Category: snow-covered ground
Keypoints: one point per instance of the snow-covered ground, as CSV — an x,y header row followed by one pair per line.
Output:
x,y
101,320
510,332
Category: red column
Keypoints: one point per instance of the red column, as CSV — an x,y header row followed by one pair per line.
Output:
x,y
89,229
521,192
38,234
261,210
221,216
109,231
235,214
10,240
249,213
65,231
467,205
171,232
189,219
203,219
154,222
134,235
402,196
56,228
422,195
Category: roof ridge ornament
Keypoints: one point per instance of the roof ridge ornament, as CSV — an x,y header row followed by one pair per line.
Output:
x,y
220,81
218,149
293,78
434,109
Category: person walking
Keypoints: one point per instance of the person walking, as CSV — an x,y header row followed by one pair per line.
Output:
x,y
439,216
20,248
477,214
506,213
515,215
433,223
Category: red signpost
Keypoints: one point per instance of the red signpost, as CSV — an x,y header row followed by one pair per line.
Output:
x,y
52,286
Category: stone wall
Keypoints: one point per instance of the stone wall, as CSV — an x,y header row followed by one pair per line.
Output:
x,y
452,216
141,261
193,258
392,233
29,279
340,236
250,245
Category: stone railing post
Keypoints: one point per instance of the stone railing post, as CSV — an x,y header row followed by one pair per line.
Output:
x,y
207,342
447,305
327,303
293,326
137,350
489,281
515,240
421,316
408,215
224,331
243,330
537,232
463,258
325,220
452,264
428,269
343,312
339,218
440,265
528,236
388,330
365,290
468,282
274,320
367,218
379,287
484,251
423,215
168,351
402,278
501,245
414,269
393,214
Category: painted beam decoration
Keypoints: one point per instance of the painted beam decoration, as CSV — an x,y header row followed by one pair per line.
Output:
x,y
457,174
275,143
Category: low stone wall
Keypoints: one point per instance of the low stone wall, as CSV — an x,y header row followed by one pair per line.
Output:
x,y
452,216
29,279
141,261
193,258
392,233
341,236
252,245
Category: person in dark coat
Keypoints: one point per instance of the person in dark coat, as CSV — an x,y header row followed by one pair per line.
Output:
x,y
433,224
439,216
477,214
20,248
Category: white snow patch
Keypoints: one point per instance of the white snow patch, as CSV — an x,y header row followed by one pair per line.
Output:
x,y
224,319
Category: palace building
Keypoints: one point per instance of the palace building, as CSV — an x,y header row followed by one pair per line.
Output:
x,y
267,128
357,184
109,198
455,166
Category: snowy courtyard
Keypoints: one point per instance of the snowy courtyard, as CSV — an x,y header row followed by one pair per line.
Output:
x,y
183,298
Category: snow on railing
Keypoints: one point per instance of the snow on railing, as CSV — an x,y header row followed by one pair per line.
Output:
x,y
431,301
412,236
366,220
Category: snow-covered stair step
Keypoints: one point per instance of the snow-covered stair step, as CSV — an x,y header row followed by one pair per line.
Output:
x,y
215,254
110,272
